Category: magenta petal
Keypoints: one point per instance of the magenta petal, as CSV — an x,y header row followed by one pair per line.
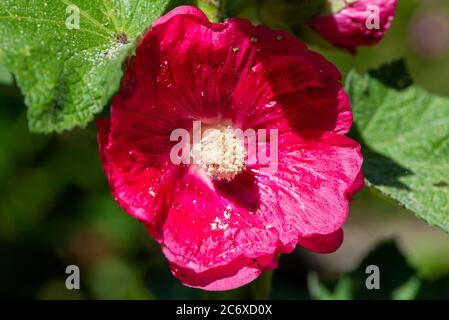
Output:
x,y
137,187
212,240
323,243
207,228
358,184
230,276
182,11
315,174
224,62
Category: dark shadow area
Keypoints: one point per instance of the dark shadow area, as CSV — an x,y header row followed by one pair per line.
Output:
x,y
378,168
392,266
243,191
24,267
394,75
434,289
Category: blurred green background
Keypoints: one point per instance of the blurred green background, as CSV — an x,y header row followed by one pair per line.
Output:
x,y
56,209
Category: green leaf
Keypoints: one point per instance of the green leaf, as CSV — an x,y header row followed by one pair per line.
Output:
x,y
5,76
404,132
67,75
436,289
409,290
318,291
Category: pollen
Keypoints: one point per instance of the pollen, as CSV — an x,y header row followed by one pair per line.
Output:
x,y
222,153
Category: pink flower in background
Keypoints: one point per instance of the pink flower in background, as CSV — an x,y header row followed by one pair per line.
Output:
x,y
359,23
216,233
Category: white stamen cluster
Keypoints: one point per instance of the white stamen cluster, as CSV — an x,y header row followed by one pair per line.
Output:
x,y
222,154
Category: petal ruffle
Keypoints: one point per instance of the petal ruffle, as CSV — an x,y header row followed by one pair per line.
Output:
x,y
141,190
230,276
308,194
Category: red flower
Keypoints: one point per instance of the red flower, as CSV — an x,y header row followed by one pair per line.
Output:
x,y
221,226
359,23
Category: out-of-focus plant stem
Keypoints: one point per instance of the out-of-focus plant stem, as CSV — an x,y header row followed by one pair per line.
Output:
x,y
261,288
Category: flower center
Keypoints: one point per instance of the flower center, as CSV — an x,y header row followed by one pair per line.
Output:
x,y
222,153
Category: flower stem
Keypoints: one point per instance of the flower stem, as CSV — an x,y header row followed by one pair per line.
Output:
x,y
261,288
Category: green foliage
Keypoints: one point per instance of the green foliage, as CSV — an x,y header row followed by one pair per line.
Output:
x,y
5,76
409,290
318,291
114,279
56,209
67,75
405,136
